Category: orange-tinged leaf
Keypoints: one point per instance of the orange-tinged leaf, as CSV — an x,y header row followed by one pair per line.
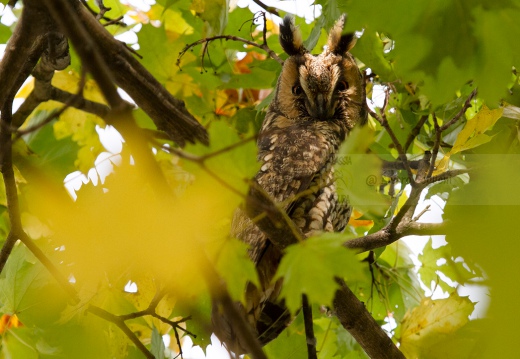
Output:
x,y
356,222
9,321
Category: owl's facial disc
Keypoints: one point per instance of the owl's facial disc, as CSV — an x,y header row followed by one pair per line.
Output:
x,y
319,81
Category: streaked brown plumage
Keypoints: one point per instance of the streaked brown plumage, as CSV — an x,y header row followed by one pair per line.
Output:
x,y
318,100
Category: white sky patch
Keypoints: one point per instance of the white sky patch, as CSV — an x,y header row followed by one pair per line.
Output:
x,y
213,351
131,287
378,97
301,8
144,5
7,15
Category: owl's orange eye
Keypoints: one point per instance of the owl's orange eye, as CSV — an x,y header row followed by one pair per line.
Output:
x,y
297,90
342,86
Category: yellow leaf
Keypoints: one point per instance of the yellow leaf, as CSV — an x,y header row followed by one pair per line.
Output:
x,y
69,80
480,123
472,135
173,20
442,165
401,202
431,322
26,89
183,83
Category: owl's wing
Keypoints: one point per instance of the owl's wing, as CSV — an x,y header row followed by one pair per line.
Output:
x,y
291,158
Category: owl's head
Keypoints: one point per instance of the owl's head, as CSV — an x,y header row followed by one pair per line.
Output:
x,y
321,87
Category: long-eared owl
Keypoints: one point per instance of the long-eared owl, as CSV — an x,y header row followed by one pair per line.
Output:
x,y
318,100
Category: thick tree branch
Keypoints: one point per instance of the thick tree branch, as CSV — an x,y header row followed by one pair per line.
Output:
x,y
223,303
66,16
43,91
356,319
23,51
168,113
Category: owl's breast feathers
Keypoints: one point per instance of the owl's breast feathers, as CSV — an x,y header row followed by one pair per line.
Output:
x,y
297,172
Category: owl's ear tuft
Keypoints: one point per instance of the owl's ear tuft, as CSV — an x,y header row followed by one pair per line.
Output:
x,y
291,37
339,43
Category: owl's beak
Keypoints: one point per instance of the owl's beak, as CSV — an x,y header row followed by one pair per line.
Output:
x,y
323,109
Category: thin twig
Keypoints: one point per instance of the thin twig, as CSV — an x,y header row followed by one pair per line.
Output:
x,y
309,328
109,20
53,270
416,218
269,9
384,123
175,324
467,104
446,175
228,148
206,41
436,145
117,21
121,325
415,132
11,193
6,250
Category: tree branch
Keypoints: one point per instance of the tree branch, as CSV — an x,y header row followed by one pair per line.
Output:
x,y
44,90
415,132
387,235
65,14
224,303
262,46
168,113
120,323
101,14
384,123
309,328
282,233
356,319
269,9
462,111
11,191
23,50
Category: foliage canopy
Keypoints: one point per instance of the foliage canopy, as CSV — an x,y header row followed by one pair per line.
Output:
x,y
443,86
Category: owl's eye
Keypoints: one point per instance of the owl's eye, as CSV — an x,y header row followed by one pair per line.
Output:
x,y
297,90
342,86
